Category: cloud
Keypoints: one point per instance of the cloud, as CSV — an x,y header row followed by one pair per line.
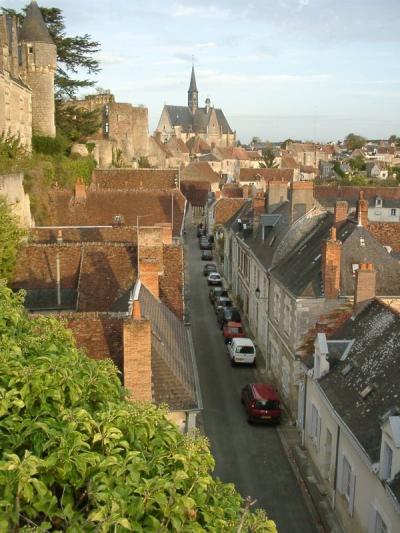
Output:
x,y
110,59
249,79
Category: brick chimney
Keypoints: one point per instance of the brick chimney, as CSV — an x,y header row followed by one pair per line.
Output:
x,y
137,358
80,191
277,194
341,211
166,232
362,210
258,203
330,262
365,285
151,262
301,198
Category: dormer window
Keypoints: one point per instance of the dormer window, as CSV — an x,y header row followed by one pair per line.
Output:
x,y
387,460
378,202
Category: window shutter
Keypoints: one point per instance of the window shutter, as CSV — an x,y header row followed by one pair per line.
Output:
x,y
340,474
371,519
318,430
352,492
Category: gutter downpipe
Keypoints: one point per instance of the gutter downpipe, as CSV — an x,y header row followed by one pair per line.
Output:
x,y
333,502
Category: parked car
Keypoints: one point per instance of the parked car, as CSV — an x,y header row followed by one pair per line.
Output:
x,y
208,268
215,292
206,255
205,244
222,301
226,314
200,230
232,330
261,403
242,351
214,279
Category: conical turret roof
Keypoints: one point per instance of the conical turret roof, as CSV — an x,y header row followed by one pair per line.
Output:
x,y
193,86
34,29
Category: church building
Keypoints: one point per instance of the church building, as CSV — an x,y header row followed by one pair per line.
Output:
x,y
184,122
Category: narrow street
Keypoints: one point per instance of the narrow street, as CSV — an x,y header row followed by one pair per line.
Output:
x,y
250,456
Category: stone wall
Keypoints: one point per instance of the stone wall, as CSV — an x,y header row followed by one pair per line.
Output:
x,y
11,186
15,109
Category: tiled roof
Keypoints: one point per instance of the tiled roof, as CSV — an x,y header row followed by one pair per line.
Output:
x,y
289,162
232,191
197,145
124,178
387,233
171,283
173,365
327,195
225,208
196,192
34,30
374,359
49,235
100,208
175,145
200,171
267,174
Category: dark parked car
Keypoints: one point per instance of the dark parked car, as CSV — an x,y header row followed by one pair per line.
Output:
x,y
261,403
222,301
206,255
210,267
228,314
215,292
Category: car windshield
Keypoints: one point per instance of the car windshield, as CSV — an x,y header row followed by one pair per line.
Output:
x,y
245,349
267,404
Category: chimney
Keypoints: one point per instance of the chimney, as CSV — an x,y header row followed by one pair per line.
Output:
x,y
365,285
277,194
330,262
301,199
137,358
341,211
151,263
258,203
166,232
362,210
80,191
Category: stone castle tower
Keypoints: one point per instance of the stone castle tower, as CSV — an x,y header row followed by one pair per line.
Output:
x,y
193,94
38,62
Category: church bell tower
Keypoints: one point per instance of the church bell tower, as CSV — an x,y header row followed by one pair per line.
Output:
x,y
193,95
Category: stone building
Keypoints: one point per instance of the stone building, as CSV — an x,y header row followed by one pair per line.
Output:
x,y
123,131
28,60
184,122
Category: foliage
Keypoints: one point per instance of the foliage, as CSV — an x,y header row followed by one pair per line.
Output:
x,y
117,158
77,123
11,151
143,162
77,456
357,163
285,143
268,158
353,141
338,169
10,239
393,139
356,179
49,145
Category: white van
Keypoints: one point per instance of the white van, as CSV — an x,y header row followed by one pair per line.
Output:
x,y
242,350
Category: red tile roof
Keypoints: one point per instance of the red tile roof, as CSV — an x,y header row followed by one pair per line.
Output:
x,y
196,192
197,145
267,174
129,178
200,171
225,208
100,208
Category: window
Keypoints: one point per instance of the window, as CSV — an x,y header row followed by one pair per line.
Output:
x,y
315,430
387,459
30,49
393,212
346,478
346,481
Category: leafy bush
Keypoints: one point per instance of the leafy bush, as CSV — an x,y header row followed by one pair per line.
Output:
x,y
50,145
10,238
77,456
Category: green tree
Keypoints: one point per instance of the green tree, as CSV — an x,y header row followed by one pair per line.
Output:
x,y
357,163
77,123
143,162
285,143
268,158
353,141
77,456
11,236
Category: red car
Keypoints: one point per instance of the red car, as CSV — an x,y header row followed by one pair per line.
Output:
x,y
261,403
232,330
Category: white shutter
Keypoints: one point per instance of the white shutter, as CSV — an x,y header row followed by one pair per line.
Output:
x,y
352,492
371,519
318,436
340,473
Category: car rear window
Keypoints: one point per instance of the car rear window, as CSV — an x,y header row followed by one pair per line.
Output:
x,y
267,404
244,349
235,330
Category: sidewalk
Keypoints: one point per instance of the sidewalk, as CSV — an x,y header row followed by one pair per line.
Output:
x,y
316,496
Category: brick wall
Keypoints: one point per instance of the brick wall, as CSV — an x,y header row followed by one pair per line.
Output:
x,y
137,358
341,212
365,289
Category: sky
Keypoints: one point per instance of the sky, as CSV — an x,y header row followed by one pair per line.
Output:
x,y
305,69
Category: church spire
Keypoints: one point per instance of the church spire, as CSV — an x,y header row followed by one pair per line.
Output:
x,y
193,95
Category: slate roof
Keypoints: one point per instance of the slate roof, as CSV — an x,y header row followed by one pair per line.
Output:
x,y
375,359
193,86
197,122
173,364
101,206
34,29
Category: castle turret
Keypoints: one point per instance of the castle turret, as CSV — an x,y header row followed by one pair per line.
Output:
x,y
39,58
193,95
